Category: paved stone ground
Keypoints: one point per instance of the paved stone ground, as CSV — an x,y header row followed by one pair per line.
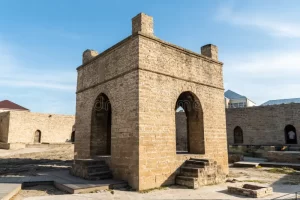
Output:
x,y
39,190
207,192
51,162
284,186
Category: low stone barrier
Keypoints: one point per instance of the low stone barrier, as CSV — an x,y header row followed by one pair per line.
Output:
x,y
250,190
284,156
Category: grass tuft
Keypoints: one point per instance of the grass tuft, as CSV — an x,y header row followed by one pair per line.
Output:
x,y
282,170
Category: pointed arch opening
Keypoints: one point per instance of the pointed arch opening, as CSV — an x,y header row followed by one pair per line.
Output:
x,y
101,127
238,135
190,135
290,134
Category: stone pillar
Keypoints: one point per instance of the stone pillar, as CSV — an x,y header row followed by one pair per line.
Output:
x,y
88,55
210,51
142,23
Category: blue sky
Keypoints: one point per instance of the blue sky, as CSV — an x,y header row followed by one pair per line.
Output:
x,y
41,43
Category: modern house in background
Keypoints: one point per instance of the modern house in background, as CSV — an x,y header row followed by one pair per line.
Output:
x,y
235,100
7,105
281,101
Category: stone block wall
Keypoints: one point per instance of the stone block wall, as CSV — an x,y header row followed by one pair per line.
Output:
x,y
54,128
165,71
284,156
114,73
263,125
4,126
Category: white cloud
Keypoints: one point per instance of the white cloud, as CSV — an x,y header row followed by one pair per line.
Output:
x,y
272,25
262,76
266,64
24,84
17,74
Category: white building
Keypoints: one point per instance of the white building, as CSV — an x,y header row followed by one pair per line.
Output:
x,y
235,100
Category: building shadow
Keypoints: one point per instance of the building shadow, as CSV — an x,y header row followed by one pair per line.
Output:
x,y
19,166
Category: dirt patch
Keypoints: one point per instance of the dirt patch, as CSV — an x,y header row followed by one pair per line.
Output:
x,y
39,190
31,163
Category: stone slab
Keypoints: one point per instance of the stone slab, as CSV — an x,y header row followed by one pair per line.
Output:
x,y
267,164
245,164
11,185
8,190
280,164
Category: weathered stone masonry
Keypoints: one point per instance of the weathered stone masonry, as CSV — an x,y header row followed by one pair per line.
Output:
x,y
263,125
143,77
19,127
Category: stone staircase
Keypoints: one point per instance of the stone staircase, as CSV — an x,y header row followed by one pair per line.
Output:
x,y
91,169
200,172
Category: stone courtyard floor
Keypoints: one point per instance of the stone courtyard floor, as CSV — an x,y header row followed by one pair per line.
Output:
x,y
284,186
31,163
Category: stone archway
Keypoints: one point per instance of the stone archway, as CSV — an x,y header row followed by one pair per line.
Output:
x,y
100,143
192,108
238,135
37,136
73,136
290,134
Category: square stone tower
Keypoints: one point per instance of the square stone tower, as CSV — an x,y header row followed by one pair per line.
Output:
x,y
127,98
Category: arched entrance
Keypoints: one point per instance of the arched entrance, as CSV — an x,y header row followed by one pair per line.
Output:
x,y
190,104
101,127
37,136
73,137
290,134
238,135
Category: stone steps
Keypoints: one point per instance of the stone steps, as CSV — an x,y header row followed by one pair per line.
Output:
x,y
91,169
195,163
187,181
200,172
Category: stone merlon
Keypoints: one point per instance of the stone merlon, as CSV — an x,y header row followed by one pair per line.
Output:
x,y
210,51
142,23
88,55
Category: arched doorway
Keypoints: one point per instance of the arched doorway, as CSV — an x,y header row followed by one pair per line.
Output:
x,y
101,127
37,136
73,137
190,104
238,135
290,134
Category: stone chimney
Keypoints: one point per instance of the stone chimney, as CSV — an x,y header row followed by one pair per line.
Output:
x,y
88,55
210,51
142,23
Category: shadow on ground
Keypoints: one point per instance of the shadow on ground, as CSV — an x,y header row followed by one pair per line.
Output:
x,y
20,166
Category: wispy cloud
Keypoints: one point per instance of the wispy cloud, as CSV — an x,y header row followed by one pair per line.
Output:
x,y
264,75
270,24
266,63
16,74
54,88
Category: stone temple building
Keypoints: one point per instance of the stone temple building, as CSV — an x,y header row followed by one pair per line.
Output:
x,y
126,103
19,127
